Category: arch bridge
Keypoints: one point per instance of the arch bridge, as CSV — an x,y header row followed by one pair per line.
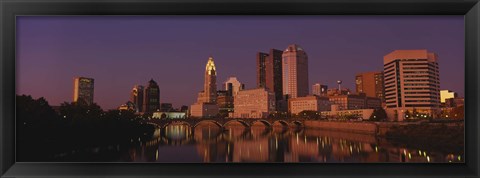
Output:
x,y
223,122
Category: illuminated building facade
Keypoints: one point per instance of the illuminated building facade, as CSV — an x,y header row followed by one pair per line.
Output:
x,y
446,94
295,72
253,103
224,102
308,103
411,83
370,83
83,88
233,85
136,97
151,102
351,102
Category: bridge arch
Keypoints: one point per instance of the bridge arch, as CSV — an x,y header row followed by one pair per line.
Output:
x,y
297,123
237,120
176,122
264,122
282,122
208,121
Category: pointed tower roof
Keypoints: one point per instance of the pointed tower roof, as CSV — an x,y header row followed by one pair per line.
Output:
x,y
210,65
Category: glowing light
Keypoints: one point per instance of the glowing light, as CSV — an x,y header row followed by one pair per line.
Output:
x,y
409,156
428,158
459,157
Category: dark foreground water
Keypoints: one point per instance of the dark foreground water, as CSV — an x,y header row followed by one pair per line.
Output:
x,y
207,143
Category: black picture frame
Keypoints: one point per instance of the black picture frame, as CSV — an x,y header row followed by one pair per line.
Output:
x,y
11,8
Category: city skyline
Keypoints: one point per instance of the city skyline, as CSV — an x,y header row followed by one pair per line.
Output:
x,y
179,82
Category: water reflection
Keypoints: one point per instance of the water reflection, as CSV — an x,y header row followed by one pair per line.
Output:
x,y
236,143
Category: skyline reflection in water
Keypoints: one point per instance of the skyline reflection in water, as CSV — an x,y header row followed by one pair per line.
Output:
x,y
208,143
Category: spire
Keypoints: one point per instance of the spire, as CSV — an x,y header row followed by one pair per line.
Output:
x,y
210,66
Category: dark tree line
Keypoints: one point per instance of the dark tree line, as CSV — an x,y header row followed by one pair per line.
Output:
x,y
76,125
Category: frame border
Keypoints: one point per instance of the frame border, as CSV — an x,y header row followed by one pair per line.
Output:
x,y
11,8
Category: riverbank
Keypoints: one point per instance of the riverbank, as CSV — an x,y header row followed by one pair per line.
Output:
x,y
347,126
428,136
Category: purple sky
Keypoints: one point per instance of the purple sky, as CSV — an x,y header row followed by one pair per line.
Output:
x,y
121,51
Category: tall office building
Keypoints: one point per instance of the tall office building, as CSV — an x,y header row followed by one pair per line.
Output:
x,y
209,93
412,82
269,72
295,72
233,85
136,97
206,102
319,90
151,99
83,89
370,83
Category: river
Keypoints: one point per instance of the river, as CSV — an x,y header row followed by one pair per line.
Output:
x,y
206,143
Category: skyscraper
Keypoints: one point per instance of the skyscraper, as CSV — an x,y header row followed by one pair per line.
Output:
x,y
151,99
370,83
319,90
269,72
206,102
412,82
209,94
295,71
136,97
83,89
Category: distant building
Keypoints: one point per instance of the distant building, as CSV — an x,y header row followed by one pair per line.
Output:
x,y
83,89
319,90
184,108
254,103
204,110
295,72
336,92
136,97
308,103
370,83
446,94
224,102
206,105
166,107
233,85
411,82
352,102
151,101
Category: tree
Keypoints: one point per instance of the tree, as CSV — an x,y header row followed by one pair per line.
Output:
x,y
408,115
36,112
458,112
80,110
309,114
378,114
